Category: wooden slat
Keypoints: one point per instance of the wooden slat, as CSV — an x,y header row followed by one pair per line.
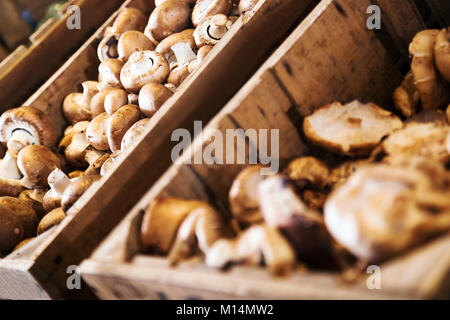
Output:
x,y
39,33
12,59
330,56
46,55
13,29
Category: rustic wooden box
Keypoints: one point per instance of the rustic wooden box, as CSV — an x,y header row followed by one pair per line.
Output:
x,y
30,65
39,270
330,56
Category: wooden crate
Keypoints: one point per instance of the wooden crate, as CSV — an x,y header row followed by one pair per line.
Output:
x,y
40,270
48,49
330,56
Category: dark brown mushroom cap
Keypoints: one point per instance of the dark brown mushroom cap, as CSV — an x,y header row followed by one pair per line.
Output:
x,y
308,171
120,122
24,212
132,41
96,132
129,19
51,219
31,120
11,230
170,17
10,187
142,68
36,162
246,5
75,190
206,8
34,199
151,98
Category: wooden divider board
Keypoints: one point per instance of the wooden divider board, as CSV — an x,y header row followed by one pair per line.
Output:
x,y
46,55
330,56
227,67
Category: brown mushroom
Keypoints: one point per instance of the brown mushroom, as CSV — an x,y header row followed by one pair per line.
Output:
x,y
206,8
34,198
308,172
201,56
131,42
51,219
432,88
191,3
22,244
133,98
243,196
161,222
198,232
247,5
115,99
178,75
119,123
353,129
11,230
256,245
109,163
152,97
77,106
129,19
179,49
133,134
24,212
98,102
406,97
142,68
75,190
303,227
212,30
108,48
95,168
36,162
170,17
58,182
109,74
96,132
383,210
25,126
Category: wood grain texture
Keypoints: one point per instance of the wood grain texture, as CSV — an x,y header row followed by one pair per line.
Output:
x,y
330,56
13,29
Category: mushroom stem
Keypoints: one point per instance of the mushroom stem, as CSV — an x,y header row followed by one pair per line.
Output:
x,y
184,53
58,181
19,140
92,155
90,89
218,27
8,168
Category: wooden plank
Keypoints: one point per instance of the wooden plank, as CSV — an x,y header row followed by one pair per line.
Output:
x,y
39,33
297,76
4,52
45,56
13,29
10,60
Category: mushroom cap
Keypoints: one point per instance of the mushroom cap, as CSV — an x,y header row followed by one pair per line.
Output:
x,y
406,97
24,212
243,196
51,219
353,129
95,168
187,36
51,200
133,134
129,19
247,5
142,68
212,30
76,150
75,190
109,164
36,162
205,8
133,98
109,73
115,99
30,120
119,123
308,171
23,243
96,132
10,187
34,198
442,53
11,230
191,3
432,88
152,97
170,17
383,210
72,110
132,41
178,75
98,102
161,221
108,48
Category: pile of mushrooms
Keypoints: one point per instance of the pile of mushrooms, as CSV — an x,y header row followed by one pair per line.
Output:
x,y
373,185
